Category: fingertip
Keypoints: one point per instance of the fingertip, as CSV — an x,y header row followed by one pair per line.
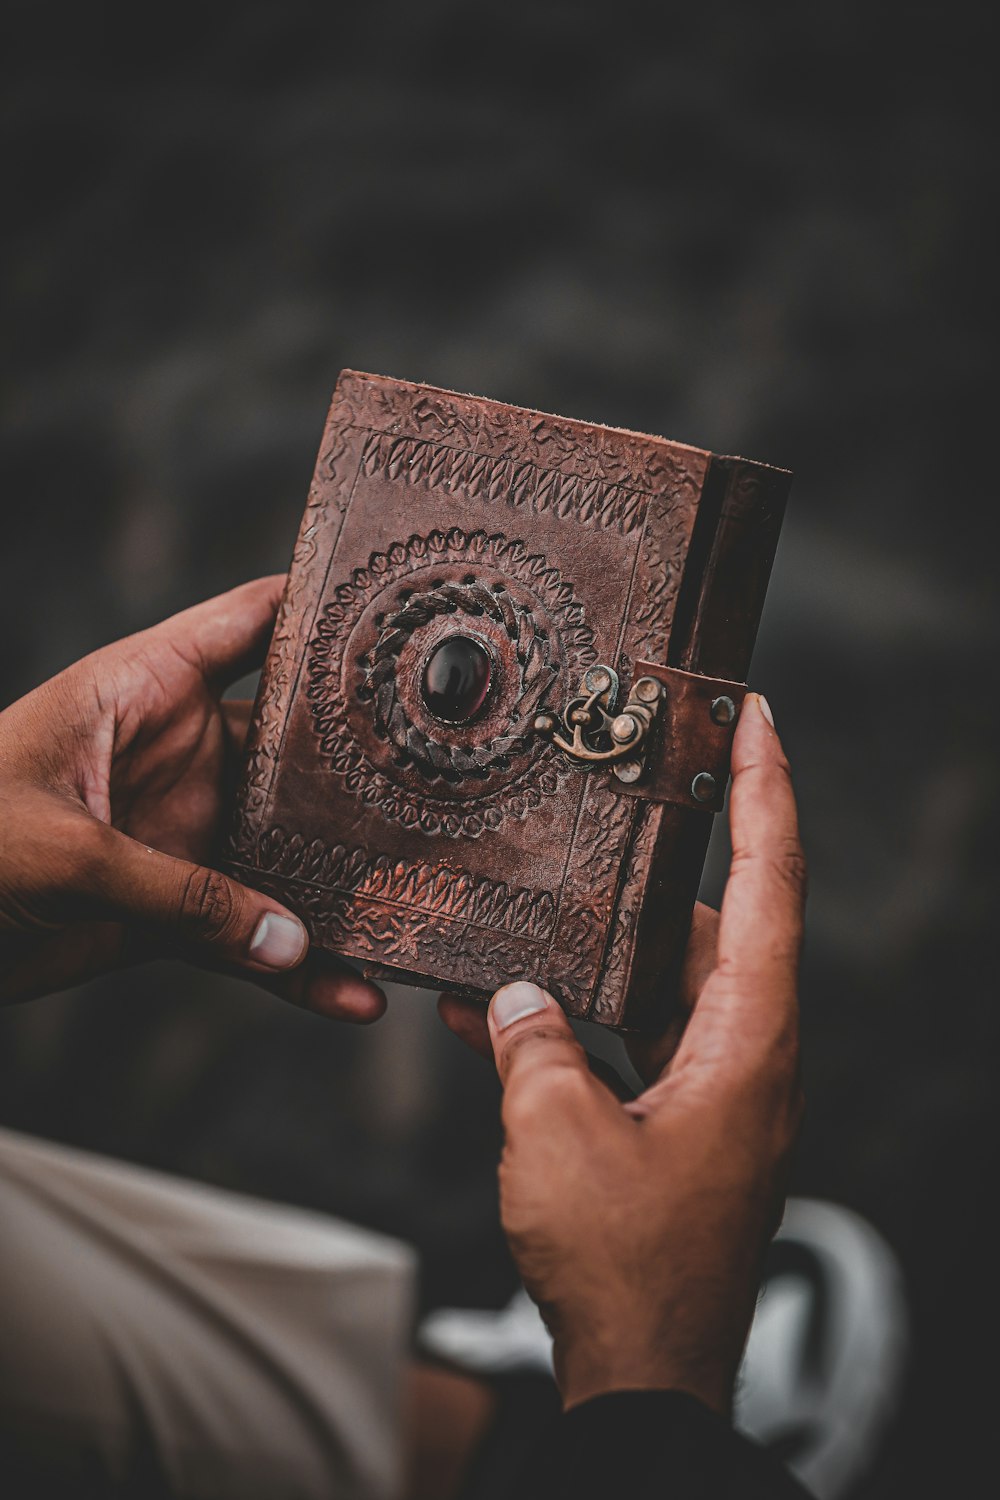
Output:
x,y
763,708
532,1038
266,590
516,1002
756,739
451,1007
754,720
228,635
279,942
368,1008
345,997
466,1019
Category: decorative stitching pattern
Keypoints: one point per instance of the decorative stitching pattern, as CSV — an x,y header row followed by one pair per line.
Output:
x,y
532,464
437,890
476,811
559,445
537,674
589,892
582,498
329,495
612,983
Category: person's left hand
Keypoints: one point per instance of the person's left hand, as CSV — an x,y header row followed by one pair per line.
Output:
x,y
113,783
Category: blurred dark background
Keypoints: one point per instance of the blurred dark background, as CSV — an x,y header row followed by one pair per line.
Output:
x,y
761,229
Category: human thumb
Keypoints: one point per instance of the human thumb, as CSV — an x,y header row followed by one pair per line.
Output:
x,y
198,907
532,1039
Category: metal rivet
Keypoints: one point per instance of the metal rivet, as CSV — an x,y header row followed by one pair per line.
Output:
x,y
623,728
703,787
628,770
597,680
647,690
723,710
545,724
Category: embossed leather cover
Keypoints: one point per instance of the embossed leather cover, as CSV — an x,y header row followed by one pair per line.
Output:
x,y
469,856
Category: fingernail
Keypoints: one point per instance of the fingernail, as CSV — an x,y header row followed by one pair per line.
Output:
x,y
278,942
765,709
514,1002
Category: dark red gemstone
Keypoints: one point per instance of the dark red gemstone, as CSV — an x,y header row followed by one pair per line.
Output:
x,y
456,679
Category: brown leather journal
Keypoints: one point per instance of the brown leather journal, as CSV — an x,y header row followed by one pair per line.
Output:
x,y
497,711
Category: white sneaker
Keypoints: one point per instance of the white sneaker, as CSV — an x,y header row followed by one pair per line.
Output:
x,y
826,1357
490,1343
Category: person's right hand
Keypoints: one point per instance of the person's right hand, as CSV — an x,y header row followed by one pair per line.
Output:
x,y
640,1229
114,779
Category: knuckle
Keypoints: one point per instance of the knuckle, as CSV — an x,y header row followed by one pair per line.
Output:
x,y
784,862
782,1058
208,907
569,1090
534,1041
767,1072
523,1107
788,1115
790,865
781,1106
532,1100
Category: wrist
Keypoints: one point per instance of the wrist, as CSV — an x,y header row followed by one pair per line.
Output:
x,y
621,1361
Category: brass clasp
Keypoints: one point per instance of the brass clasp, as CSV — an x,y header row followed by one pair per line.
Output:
x,y
597,732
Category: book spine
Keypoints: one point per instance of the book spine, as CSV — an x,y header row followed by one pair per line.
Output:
x,y
719,609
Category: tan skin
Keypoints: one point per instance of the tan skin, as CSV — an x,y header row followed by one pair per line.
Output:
x,y
639,1228
113,782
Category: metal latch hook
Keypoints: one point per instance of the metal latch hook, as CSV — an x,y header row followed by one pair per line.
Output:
x,y
596,732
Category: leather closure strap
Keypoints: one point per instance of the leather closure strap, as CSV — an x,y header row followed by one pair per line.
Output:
x,y
687,762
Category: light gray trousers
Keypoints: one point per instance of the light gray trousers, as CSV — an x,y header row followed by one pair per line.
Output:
x,y
173,1339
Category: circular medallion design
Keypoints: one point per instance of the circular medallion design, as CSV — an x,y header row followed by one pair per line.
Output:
x,y
425,673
